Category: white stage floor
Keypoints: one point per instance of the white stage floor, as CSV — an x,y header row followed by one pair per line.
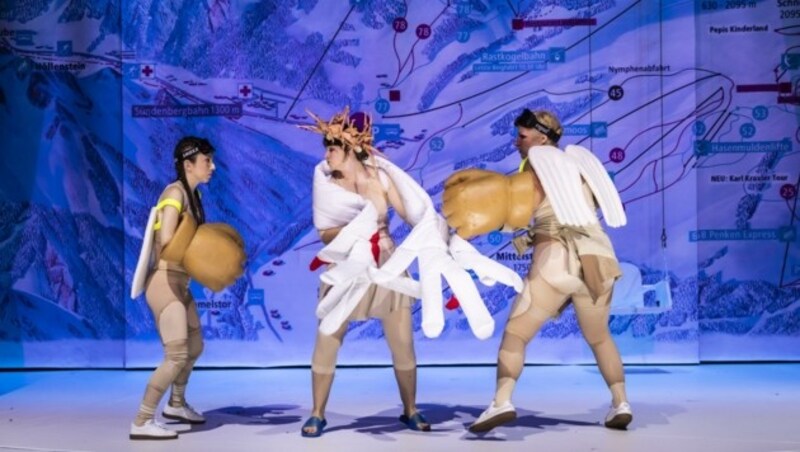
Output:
x,y
753,407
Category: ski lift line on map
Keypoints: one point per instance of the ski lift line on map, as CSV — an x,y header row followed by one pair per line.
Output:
x,y
791,30
791,224
499,106
410,71
661,88
656,99
660,159
400,67
622,83
459,101
662,137
711,134
642,132
680,178
409,74
396,54
411,52
319,61
663,157
434,134
794,215
780,76
716,127
405,115
610,21
516,14
659,140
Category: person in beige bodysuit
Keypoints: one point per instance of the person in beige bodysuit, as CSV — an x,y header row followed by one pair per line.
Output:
x,y
167,294
350,170
570,264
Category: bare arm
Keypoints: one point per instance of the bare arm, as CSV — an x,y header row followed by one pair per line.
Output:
x,y
395,200
327,235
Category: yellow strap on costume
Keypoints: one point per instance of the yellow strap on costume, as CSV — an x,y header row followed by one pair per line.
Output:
x,y
522,164
167,202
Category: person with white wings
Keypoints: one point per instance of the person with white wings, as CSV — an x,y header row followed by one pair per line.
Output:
x,y
573,258
178,245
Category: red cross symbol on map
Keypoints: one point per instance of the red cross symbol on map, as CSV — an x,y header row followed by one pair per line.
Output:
x,y
245,90
148,71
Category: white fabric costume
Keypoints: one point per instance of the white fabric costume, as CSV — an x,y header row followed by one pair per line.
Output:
x,y
437,252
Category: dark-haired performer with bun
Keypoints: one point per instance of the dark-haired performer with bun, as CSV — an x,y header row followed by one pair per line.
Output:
x,y
182,246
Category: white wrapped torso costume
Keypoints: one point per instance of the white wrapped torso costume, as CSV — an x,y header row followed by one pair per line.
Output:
x,y
437,252
377,301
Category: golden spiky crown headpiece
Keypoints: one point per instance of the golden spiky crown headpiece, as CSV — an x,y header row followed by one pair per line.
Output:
x,y
341,127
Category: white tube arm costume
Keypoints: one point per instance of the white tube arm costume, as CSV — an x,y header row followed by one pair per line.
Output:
x,y
429,242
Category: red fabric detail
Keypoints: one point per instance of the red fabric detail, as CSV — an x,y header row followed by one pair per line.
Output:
x,y
316,263
452,303
376,250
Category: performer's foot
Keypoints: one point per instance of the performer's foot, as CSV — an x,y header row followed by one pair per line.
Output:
x,y
151,430
619,417
494,416
416,422
313,427
183,413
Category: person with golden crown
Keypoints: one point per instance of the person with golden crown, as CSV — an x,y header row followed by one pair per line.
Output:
x,y
349,171
366,277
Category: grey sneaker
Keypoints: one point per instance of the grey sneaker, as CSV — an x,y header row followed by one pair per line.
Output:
x,y
183,413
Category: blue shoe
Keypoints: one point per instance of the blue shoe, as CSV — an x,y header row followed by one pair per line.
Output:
x,y
416,422
318,423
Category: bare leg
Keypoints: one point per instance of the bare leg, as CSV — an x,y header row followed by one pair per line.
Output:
x,y
593,321
172,327
520,330
397,328
323,366
195,343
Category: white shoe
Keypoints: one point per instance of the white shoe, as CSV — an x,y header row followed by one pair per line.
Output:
x,y
619,417
494,416
183,413
152,430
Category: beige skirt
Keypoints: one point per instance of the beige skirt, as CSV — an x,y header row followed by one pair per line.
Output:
x,y
378,301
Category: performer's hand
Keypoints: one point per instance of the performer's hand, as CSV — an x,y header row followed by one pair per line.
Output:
x,y
478,201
